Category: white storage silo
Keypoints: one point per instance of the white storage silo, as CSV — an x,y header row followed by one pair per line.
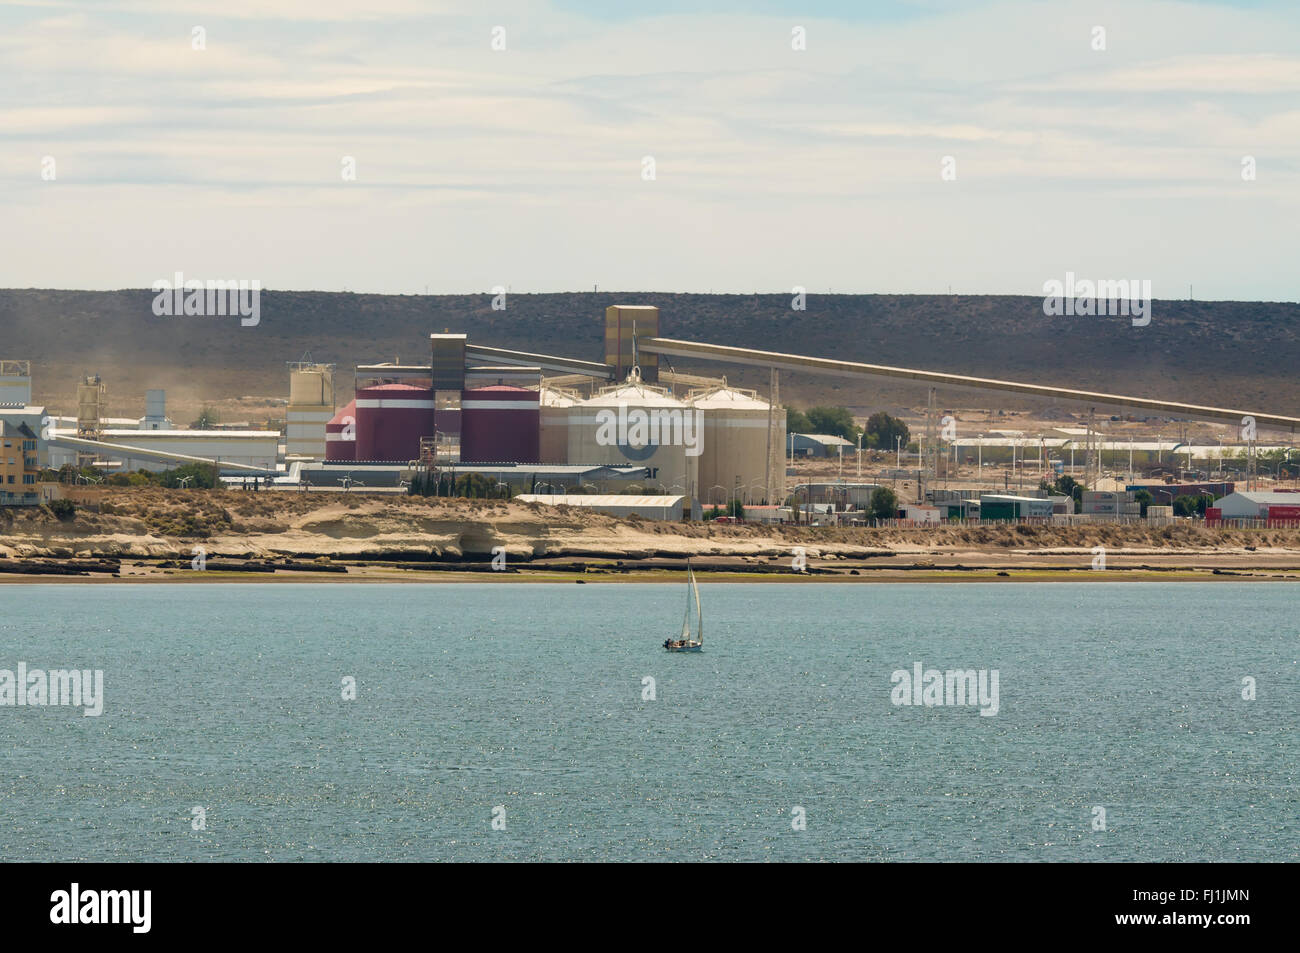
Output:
x,y
557,406
736,447
635,425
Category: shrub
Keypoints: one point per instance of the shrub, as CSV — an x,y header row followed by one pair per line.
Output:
x,y
734,508
884,503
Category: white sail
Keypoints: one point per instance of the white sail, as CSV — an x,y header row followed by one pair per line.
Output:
x,y
686,619
687,643
698,611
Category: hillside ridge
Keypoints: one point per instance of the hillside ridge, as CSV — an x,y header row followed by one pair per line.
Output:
x,y
1218,352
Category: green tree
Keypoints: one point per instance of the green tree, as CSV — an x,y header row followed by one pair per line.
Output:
x,y
1278,462
197,475
64,510
884,504
734,508
796,421
882,431
207,420
1184,505
477,486
836,421
69,473
1068,486
1143,497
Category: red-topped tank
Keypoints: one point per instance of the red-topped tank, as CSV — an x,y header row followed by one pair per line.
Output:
x,y
500,424
341,434
391,419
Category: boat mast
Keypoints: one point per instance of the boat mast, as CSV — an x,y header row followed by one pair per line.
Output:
x,y
698,611
686,617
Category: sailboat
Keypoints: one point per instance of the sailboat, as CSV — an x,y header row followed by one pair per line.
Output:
x,y
686,643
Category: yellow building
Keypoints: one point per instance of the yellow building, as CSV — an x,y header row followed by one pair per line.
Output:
x,y
18,465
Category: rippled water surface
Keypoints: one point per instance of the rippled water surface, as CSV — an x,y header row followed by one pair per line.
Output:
x,y
529,698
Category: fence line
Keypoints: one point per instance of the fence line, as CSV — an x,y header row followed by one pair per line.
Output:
x,y
1237,522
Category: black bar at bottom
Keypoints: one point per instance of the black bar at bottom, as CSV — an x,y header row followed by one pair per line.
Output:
x,y
931,902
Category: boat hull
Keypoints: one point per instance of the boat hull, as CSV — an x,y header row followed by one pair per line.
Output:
x,y
686,648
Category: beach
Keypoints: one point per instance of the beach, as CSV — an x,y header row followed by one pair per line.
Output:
x,y
152,535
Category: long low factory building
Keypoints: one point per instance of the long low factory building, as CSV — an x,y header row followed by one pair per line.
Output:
x,y
253,448
520,477
1256,505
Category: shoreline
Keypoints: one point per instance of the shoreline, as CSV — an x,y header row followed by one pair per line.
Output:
x,y
148,535
361,575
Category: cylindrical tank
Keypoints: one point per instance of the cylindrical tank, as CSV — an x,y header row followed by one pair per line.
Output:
x,y
312,385
553,440
391,419
635,425
735,446
499,424
488,375
341,434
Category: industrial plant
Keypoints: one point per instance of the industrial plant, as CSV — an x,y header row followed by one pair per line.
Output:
x,y
565,430
549,427
552,426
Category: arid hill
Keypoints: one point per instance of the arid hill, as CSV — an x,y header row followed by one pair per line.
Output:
x,y
1232,353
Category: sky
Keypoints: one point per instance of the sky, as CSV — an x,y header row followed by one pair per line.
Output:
x,y
877,146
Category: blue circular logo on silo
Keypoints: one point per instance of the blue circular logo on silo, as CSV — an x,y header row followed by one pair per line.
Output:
x,y
638,453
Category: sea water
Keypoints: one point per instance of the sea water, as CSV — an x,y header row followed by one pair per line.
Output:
x,y
495,721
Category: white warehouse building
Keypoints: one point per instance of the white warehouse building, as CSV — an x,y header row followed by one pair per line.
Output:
x,y
255,448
